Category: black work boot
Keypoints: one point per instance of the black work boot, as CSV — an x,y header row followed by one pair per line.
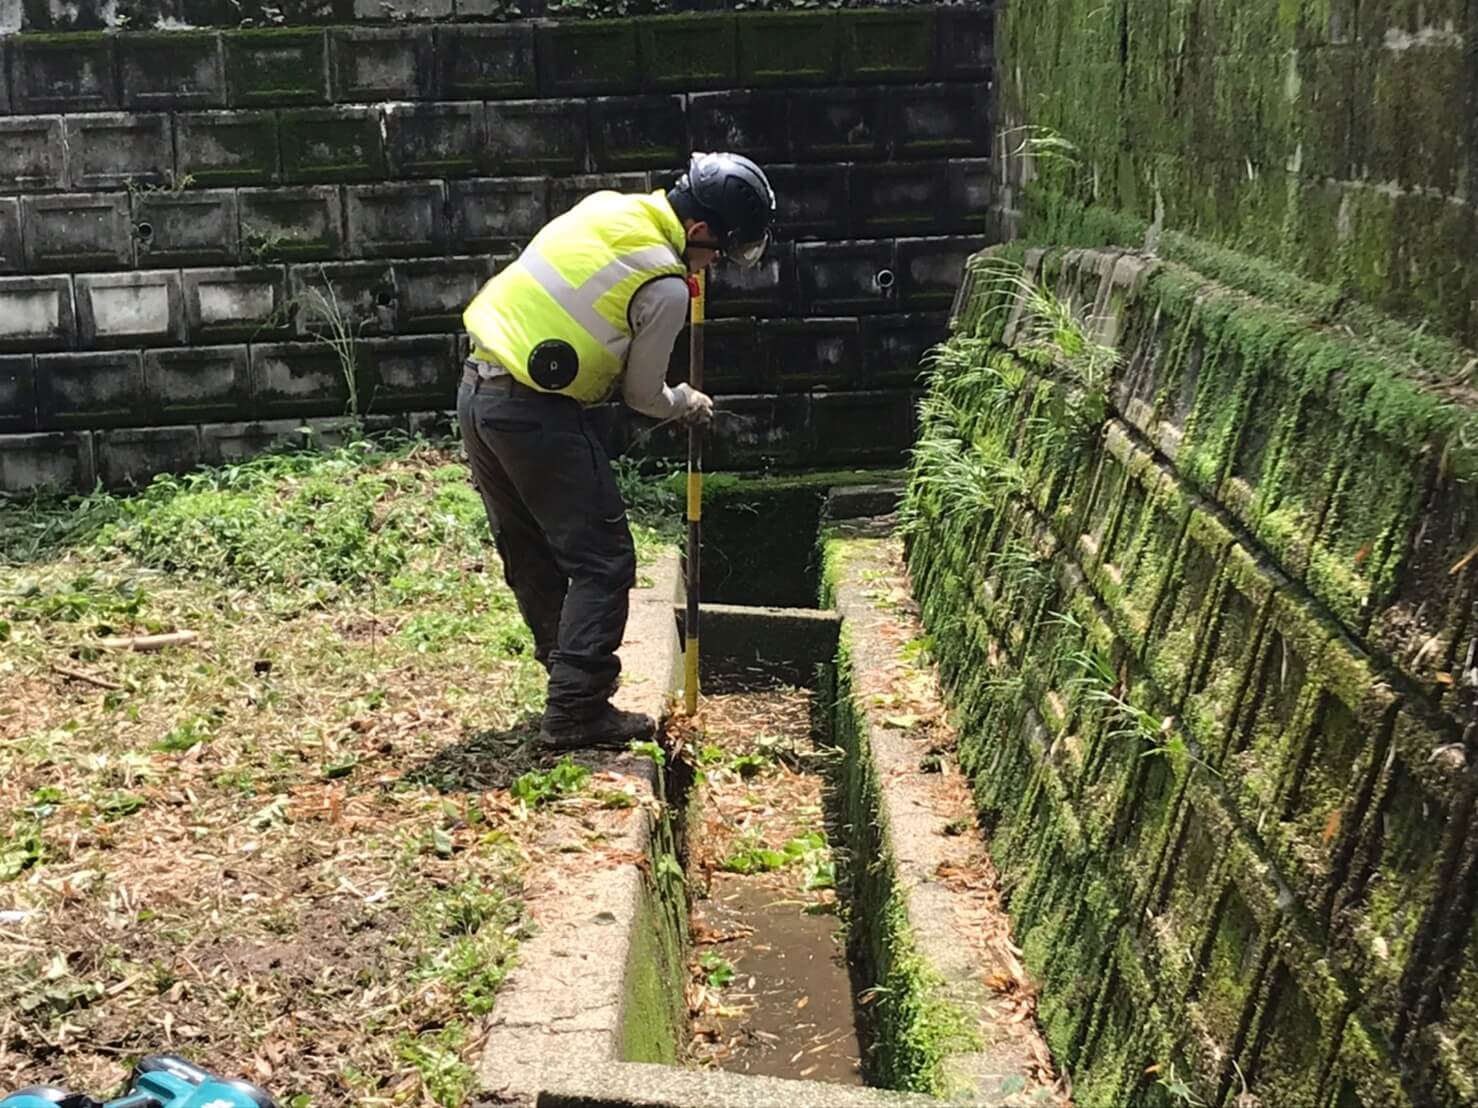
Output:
x,y
609,727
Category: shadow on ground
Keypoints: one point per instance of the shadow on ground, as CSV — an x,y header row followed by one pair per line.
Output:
x,y
483,760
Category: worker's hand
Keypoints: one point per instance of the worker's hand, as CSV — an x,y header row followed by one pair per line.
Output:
x,y
693,406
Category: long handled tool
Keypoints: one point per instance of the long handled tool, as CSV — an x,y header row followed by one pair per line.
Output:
x,y
695,501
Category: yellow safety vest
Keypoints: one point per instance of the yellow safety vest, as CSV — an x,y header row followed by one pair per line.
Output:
x,y
556,319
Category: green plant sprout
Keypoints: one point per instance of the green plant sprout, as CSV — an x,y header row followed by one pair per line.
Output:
x,y
650,749
1039,143
341,334
541,786
1178,1089
750,766
752,857
718,971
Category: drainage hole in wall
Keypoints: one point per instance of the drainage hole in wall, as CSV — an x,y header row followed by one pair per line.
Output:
x,y
769,988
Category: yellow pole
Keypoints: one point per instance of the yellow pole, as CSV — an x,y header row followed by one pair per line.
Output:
x,y
695,504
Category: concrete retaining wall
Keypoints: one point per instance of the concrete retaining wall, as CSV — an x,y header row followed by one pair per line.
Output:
x,y
1336,139
176,206
1214,668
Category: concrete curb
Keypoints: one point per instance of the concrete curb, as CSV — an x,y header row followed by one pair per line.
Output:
x,y
914,810
562,1009
633,1085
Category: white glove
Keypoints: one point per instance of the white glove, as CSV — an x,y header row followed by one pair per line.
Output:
x,y
690,405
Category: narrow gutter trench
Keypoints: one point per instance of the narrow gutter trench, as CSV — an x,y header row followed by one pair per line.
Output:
x,y
769,991
813,922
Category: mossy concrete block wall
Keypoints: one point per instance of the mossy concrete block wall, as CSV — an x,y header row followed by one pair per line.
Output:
x,y
176,204
1337,138
1211,650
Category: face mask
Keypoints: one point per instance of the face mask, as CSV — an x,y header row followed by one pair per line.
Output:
x,y
747,255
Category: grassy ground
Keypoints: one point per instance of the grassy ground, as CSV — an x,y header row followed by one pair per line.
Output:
x,y
295,848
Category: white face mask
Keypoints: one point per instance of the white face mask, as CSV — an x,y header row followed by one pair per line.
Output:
x,y
747,255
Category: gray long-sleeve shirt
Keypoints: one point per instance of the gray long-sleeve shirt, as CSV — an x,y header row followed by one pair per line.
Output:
x,y
657,312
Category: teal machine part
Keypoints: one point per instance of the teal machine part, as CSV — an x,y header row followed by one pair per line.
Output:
x,y
159,1081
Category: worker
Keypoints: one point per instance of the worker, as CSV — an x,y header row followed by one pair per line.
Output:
x,y
595,302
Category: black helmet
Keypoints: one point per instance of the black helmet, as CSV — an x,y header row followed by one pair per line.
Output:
x,y
733,196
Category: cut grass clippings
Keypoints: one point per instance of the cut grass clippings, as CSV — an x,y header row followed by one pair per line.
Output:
x,y
288,849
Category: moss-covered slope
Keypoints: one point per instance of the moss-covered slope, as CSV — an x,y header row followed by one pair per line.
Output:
x,y
1198,569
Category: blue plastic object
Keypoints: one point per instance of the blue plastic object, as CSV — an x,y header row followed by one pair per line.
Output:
x,y
160,1081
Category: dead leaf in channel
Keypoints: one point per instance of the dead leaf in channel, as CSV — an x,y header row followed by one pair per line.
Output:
x,y
1000,982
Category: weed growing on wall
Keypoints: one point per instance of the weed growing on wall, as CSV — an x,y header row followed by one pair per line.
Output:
x,y
1034,386
1042,144
339,329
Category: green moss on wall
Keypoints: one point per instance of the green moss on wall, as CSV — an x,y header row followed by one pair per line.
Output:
x,y
1153,641
1288,131
654,1009
650,1026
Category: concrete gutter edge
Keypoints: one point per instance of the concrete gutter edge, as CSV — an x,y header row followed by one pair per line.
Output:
x,y
561,1010
638,1085
914,823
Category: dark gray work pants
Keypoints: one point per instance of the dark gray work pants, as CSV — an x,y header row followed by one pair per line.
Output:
x,y
560,528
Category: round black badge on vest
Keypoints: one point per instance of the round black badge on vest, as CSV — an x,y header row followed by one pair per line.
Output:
x,y
553,364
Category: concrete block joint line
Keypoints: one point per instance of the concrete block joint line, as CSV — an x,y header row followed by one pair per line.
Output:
x,y
172,191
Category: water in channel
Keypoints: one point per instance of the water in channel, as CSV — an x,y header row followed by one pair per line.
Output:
x,y
769,990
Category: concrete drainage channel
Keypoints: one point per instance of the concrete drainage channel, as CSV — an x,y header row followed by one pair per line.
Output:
x,y
705,965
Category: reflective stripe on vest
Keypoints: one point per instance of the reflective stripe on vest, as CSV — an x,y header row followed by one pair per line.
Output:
x,y
580,300
570,291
